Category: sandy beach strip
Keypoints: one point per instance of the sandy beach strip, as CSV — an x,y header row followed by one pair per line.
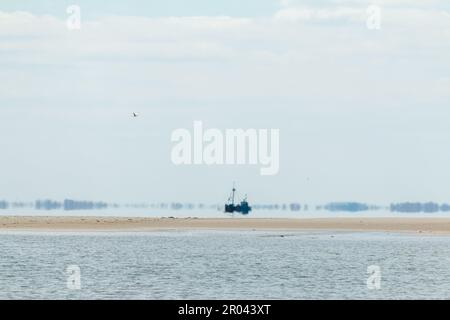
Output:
x,y
423,225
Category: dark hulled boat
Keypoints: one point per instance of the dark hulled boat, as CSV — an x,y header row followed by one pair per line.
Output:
x,y
242,207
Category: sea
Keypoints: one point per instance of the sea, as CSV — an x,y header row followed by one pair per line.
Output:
x,y
223,265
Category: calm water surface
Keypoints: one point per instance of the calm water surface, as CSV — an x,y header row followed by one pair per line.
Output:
x,y
223,265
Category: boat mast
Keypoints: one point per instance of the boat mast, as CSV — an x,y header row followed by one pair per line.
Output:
x,y
232,196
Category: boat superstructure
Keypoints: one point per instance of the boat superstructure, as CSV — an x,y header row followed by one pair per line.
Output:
x,y
243,207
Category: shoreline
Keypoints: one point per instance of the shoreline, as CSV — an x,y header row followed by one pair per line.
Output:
x,y
419,225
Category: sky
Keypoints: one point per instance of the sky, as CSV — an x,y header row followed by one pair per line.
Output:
x,y
362,113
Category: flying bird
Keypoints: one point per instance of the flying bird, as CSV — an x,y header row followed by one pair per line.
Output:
x,y
135,114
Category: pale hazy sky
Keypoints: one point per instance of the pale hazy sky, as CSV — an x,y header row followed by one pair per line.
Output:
x,y
363,114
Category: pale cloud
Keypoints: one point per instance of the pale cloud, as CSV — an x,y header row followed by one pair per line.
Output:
x,y
305,13
210,37
237,57
365,3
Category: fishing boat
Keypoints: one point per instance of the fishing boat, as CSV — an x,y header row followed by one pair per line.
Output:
x,y
243,207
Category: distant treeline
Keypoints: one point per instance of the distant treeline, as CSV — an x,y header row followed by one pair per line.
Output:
x,y
347,206
92,205
54,205
419,207
68,204
409,207
6,205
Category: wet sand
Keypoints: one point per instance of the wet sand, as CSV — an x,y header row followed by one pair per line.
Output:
x,y
32,223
